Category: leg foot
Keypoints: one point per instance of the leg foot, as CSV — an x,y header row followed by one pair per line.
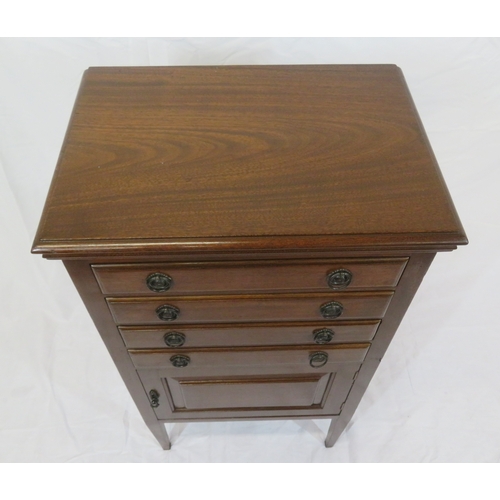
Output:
x,y
160,433
334,432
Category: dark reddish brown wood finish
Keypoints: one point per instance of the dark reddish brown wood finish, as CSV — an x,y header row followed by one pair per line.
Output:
x,y
248,276
247,186
248,334
264,392
255,357
235,157
87,287
412,277
251,308
280,381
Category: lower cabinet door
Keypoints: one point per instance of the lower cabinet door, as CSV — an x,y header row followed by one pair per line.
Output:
x,y
240,383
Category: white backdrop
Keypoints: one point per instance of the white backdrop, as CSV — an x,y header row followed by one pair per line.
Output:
x,y
436,395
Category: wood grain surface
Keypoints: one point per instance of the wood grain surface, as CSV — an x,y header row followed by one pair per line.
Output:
x,y
247,276
264,391
251,308
250,360
247,382
245,334
247,185
168,157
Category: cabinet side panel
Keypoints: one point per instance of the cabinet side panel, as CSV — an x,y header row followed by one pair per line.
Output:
x,y
408,286
84,281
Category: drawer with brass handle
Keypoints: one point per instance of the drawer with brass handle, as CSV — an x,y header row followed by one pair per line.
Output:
x,y
248,334
231,277
239,358
236,358
249,308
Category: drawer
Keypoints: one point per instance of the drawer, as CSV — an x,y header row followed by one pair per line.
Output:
x,y
189,336
196,278
249,360
249,308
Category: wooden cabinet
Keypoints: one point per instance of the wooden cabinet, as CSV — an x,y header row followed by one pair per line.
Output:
x,y
246,239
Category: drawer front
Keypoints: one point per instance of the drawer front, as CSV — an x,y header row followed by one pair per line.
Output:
x,y
189,336
257,308
252,360
247,277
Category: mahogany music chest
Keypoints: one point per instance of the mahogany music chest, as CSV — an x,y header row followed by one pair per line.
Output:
x,y
246,239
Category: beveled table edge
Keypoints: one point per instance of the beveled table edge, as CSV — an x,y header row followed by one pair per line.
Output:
x,y
371,242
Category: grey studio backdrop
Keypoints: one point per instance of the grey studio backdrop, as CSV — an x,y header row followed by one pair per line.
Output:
x,y
435,395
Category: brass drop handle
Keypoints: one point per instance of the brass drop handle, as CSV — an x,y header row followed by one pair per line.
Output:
x,y
180,361
159,282
174,339
167,312
318,359
331,310
154,398
340,278
323,336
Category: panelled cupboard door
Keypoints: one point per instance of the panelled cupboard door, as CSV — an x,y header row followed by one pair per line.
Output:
x,y
268,383
280,395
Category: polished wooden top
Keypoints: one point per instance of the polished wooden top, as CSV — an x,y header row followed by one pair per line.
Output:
x,y
160,159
